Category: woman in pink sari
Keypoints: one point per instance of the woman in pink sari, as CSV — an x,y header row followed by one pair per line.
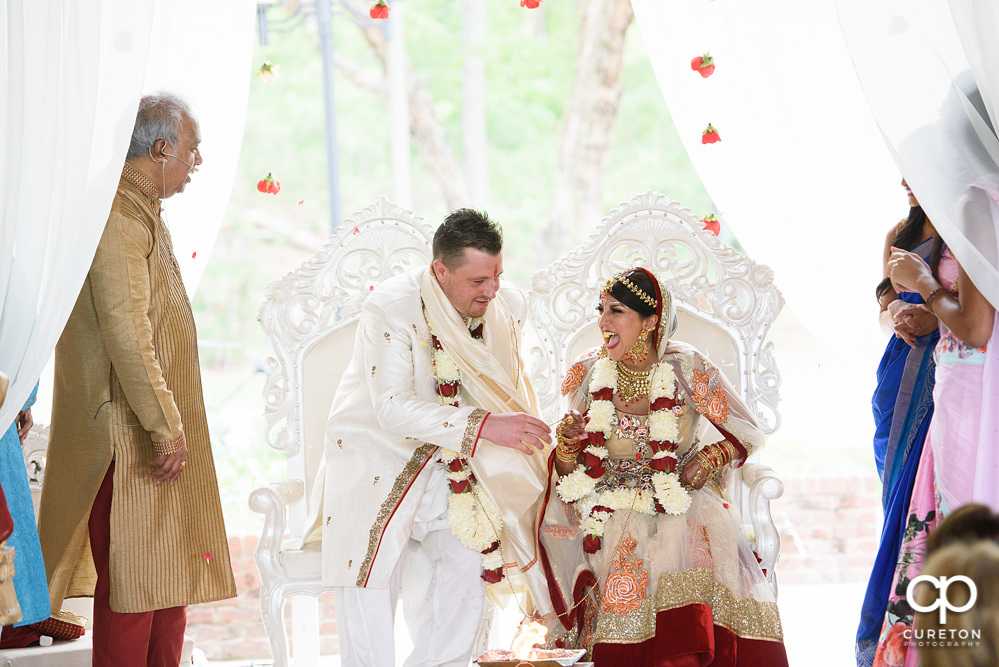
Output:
x,y
960,461
964,433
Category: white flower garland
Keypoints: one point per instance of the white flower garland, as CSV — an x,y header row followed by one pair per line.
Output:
x,y
473,517
667,495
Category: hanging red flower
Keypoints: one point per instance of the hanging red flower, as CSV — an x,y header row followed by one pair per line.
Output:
x,y
530,4
269,185
380,10
711,224
267,72
710,135
703,65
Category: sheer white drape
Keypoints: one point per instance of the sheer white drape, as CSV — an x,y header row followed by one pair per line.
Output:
x,y
73,75
72,78
930,71
801,174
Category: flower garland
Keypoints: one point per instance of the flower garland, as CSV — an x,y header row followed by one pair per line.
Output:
x,y
472,515
580,487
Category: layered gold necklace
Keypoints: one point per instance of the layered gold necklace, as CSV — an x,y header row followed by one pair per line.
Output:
x,y
633,385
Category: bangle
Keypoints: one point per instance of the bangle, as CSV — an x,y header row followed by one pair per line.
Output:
x,y
566,454
933,295
564,440
729,448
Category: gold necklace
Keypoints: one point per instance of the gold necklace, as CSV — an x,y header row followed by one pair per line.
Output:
x,y
633,385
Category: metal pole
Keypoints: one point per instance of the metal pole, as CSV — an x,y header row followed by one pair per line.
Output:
x,y
399,108
324,17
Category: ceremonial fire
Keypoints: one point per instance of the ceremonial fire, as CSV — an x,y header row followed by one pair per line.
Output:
x,y
523,650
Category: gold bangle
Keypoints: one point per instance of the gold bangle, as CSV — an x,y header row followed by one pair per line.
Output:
x,y
559,431
567,455
733,453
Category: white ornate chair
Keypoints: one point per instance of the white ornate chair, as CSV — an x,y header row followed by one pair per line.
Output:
x,y
310,316
728,303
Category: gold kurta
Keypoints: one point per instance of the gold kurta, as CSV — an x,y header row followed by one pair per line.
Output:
x,y
127,376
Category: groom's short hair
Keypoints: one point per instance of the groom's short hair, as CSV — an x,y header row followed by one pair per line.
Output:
x,y
466,228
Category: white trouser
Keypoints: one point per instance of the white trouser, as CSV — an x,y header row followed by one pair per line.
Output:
x,y
444,598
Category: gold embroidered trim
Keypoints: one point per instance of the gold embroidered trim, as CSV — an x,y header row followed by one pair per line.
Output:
x,y
162,448
472,432
141,181
402,482
746,618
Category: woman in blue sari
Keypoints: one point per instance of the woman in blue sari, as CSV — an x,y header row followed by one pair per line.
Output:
x,y
903,405
29,568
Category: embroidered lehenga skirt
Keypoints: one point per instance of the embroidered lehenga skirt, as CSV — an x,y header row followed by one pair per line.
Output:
x,y
680,590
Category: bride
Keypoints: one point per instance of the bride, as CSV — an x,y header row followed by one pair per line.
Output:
x,y
646,559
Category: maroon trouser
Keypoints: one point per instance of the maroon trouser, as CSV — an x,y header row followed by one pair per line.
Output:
x,y
153,638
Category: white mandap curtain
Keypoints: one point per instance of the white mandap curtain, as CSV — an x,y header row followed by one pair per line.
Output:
x,y
68,94
930,71
801,174
822,106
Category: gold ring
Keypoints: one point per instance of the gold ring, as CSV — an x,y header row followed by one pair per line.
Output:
x,y
183,463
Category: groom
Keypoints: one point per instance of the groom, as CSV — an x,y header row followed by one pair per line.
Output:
x,y
386,503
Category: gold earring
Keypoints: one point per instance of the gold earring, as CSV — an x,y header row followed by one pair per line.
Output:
x,y
639,352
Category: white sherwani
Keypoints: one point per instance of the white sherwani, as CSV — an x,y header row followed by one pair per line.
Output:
x,y
384,430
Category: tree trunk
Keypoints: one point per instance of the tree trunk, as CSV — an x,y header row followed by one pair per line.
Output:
x,y
427,130
588,123
475,139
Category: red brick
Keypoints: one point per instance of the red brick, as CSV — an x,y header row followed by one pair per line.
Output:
x,y
200,614
329,646
240,615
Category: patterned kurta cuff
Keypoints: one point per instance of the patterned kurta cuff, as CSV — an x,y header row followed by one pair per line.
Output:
x,y
471,439
162,448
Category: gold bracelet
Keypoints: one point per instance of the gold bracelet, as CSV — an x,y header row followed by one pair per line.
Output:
x,y
567,455
706,462
559,432
701,477
933,296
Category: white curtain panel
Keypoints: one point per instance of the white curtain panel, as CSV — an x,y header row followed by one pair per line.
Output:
x,y
801,175
69,86
201,50
72,77
930,71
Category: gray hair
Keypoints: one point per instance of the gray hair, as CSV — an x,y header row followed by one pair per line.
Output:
x,y
160,117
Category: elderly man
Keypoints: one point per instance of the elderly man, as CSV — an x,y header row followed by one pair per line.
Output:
x,y
434,403
130,510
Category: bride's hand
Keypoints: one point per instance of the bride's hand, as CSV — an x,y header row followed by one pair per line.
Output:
x,y
691,476
573,425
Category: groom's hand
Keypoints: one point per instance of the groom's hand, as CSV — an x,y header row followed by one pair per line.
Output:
x,y
516,430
